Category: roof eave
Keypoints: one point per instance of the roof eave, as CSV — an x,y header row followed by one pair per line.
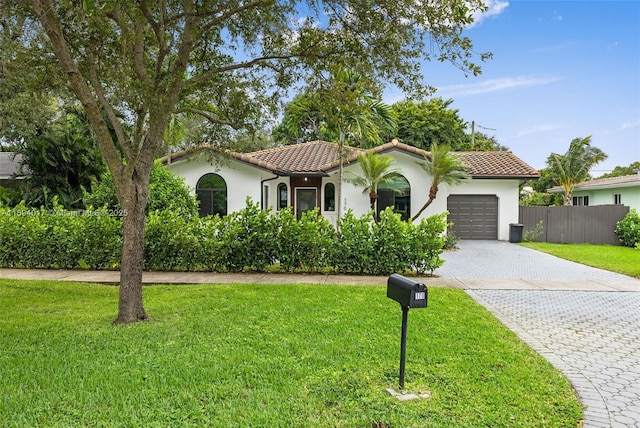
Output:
x,y
505,177
609,186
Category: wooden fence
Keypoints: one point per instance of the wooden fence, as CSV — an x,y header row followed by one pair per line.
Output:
x,y
574,224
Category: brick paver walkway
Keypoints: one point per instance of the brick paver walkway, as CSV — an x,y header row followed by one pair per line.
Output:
x,y
592,337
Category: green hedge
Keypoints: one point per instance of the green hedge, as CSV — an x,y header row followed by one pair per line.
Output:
x,y
628,229
59,239
248,240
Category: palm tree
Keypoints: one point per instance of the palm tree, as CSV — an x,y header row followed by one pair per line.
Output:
x,y
376,170
345,110
573,167
174,134
443,167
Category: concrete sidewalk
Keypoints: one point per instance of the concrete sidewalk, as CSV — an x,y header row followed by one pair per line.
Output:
x,y
150,278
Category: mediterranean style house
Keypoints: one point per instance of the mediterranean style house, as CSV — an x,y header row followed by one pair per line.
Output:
x,y
305,176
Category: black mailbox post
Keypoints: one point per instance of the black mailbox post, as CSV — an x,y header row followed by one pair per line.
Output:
x,y
410,294
407,292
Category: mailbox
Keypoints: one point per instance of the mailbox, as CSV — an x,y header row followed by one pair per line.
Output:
x,y
407,292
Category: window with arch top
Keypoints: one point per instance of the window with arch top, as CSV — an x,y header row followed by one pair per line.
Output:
x,y
397,195
211,192
329,197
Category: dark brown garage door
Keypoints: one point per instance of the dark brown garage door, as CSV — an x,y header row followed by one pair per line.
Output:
x,y
473,216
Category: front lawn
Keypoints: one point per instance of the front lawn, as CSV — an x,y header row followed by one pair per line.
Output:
x,y
265,356
624,260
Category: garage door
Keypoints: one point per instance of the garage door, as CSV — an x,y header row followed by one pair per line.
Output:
x,y
473,216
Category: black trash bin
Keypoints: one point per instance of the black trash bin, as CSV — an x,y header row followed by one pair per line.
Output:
x,y
515,232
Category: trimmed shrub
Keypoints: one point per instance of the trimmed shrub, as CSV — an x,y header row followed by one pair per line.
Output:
x,y
628,229
59,239
171,244
426,242
390,249
303,245
248,239
99,242
166,192
352,249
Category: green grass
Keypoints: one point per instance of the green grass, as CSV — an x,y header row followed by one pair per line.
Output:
x,y
624,260
265,356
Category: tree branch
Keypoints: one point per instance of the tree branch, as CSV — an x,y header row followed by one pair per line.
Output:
x,y
159,31
210,116
221,17
50,21
106,106
263,61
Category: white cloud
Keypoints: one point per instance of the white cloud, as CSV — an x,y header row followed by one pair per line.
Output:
x,y
495,7
628,125
495,85
538,129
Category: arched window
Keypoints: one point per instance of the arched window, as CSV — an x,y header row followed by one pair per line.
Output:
x,y
211,192
396,195
283,196
329,197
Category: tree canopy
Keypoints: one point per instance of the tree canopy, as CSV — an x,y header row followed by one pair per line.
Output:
x,y
433,121
225,61
619,171
421,124
31,88
343,109
62,160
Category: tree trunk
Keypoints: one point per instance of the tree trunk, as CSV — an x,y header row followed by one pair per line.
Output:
x,y
433,191
130,308
340,174
373,196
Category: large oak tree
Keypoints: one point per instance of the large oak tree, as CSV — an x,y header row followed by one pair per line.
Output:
x,y
224,60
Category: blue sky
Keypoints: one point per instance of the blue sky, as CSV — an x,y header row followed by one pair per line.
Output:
x,y
560,70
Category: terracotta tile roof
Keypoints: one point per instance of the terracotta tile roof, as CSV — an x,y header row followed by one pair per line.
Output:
x,y
497,164
604,183
320,157
312,157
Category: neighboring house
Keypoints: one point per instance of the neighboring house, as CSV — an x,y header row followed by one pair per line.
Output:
x,y
623,190
9,163
305,176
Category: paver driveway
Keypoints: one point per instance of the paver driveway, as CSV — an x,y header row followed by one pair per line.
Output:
x,y
593,337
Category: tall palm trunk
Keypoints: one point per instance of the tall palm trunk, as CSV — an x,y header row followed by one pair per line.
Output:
x,y
433,191
373,197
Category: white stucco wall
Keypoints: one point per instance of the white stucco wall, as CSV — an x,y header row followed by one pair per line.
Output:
x,y
242,180
247,181
630,196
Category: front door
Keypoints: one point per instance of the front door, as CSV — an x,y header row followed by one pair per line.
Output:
x,y
306,199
